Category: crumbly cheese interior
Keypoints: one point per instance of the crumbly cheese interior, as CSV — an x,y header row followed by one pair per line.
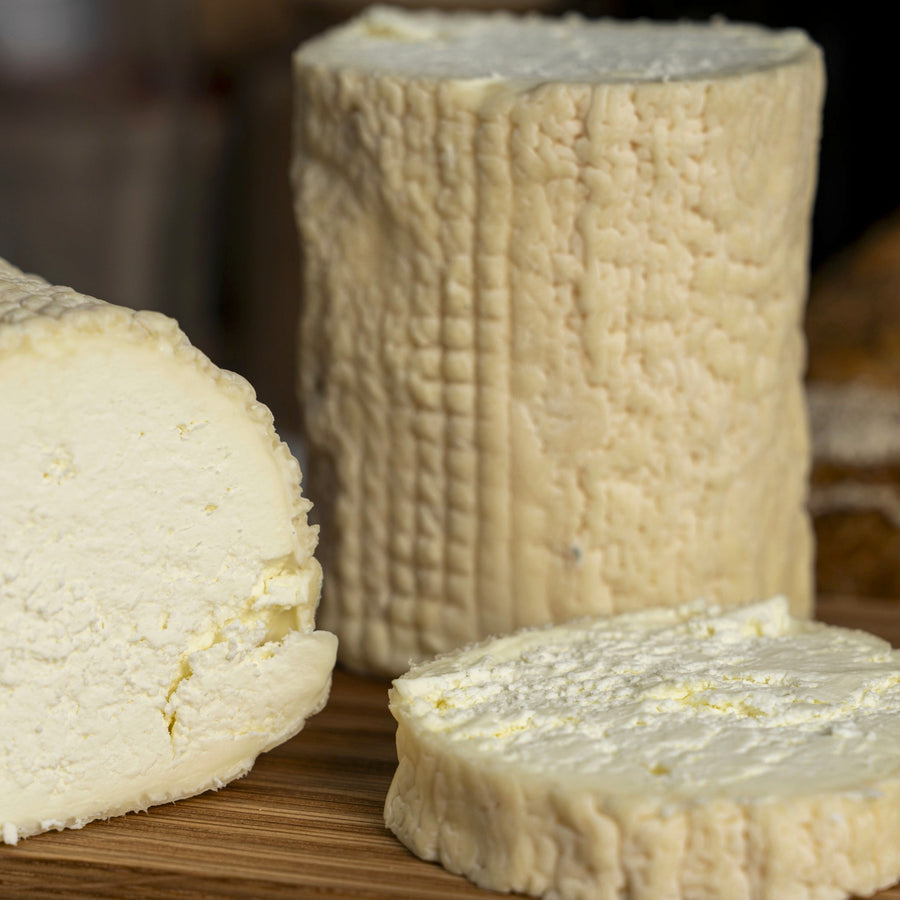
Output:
x,y
157,583
466,47
747,704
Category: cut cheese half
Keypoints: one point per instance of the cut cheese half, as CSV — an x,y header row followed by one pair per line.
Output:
x,y
157,580
660,755
550,353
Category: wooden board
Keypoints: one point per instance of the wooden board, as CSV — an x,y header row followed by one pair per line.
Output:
x,y
306,822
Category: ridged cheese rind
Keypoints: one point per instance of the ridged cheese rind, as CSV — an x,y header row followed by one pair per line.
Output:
x,y
694,753
550,352
158,586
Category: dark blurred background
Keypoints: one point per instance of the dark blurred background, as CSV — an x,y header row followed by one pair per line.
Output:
x,y
144,152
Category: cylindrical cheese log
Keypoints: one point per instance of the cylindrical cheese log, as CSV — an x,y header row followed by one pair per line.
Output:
x,y
550,350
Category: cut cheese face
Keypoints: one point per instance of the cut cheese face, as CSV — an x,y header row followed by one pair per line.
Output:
x,y
550,351
674,753
157,581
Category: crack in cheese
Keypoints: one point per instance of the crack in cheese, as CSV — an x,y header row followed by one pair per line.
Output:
x,y
675,753
157,581
550,352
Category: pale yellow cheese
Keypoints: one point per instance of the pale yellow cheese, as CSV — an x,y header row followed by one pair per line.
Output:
x,y
550,351
158,587
667,754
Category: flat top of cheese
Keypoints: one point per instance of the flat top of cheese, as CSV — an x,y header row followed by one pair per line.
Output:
x,y
748,703
501,46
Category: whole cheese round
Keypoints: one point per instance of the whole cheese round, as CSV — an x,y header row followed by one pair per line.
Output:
x,y
550,353
157,580
672,754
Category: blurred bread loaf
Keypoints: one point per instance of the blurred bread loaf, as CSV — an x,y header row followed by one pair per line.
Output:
x,y
853,325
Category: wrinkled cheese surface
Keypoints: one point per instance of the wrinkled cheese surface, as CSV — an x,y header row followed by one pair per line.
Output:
x,y
679,753
550,352
157,580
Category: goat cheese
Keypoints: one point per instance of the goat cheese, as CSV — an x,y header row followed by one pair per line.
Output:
x,y
157,580
671,753
550,353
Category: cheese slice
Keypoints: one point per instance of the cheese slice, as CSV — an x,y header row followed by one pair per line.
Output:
x,y
550,352
157,580
657,755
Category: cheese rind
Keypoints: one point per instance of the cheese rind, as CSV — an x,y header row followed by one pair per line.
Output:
x,y
550,354
680,754
158,586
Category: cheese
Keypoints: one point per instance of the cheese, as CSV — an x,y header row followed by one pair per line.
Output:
x,y
662,754
157,580
550,354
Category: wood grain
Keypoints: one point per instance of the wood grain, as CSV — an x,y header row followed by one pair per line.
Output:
x,y
306,822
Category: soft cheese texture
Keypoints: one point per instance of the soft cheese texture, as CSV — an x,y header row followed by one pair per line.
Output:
x,y
550,350
157,580
662,754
